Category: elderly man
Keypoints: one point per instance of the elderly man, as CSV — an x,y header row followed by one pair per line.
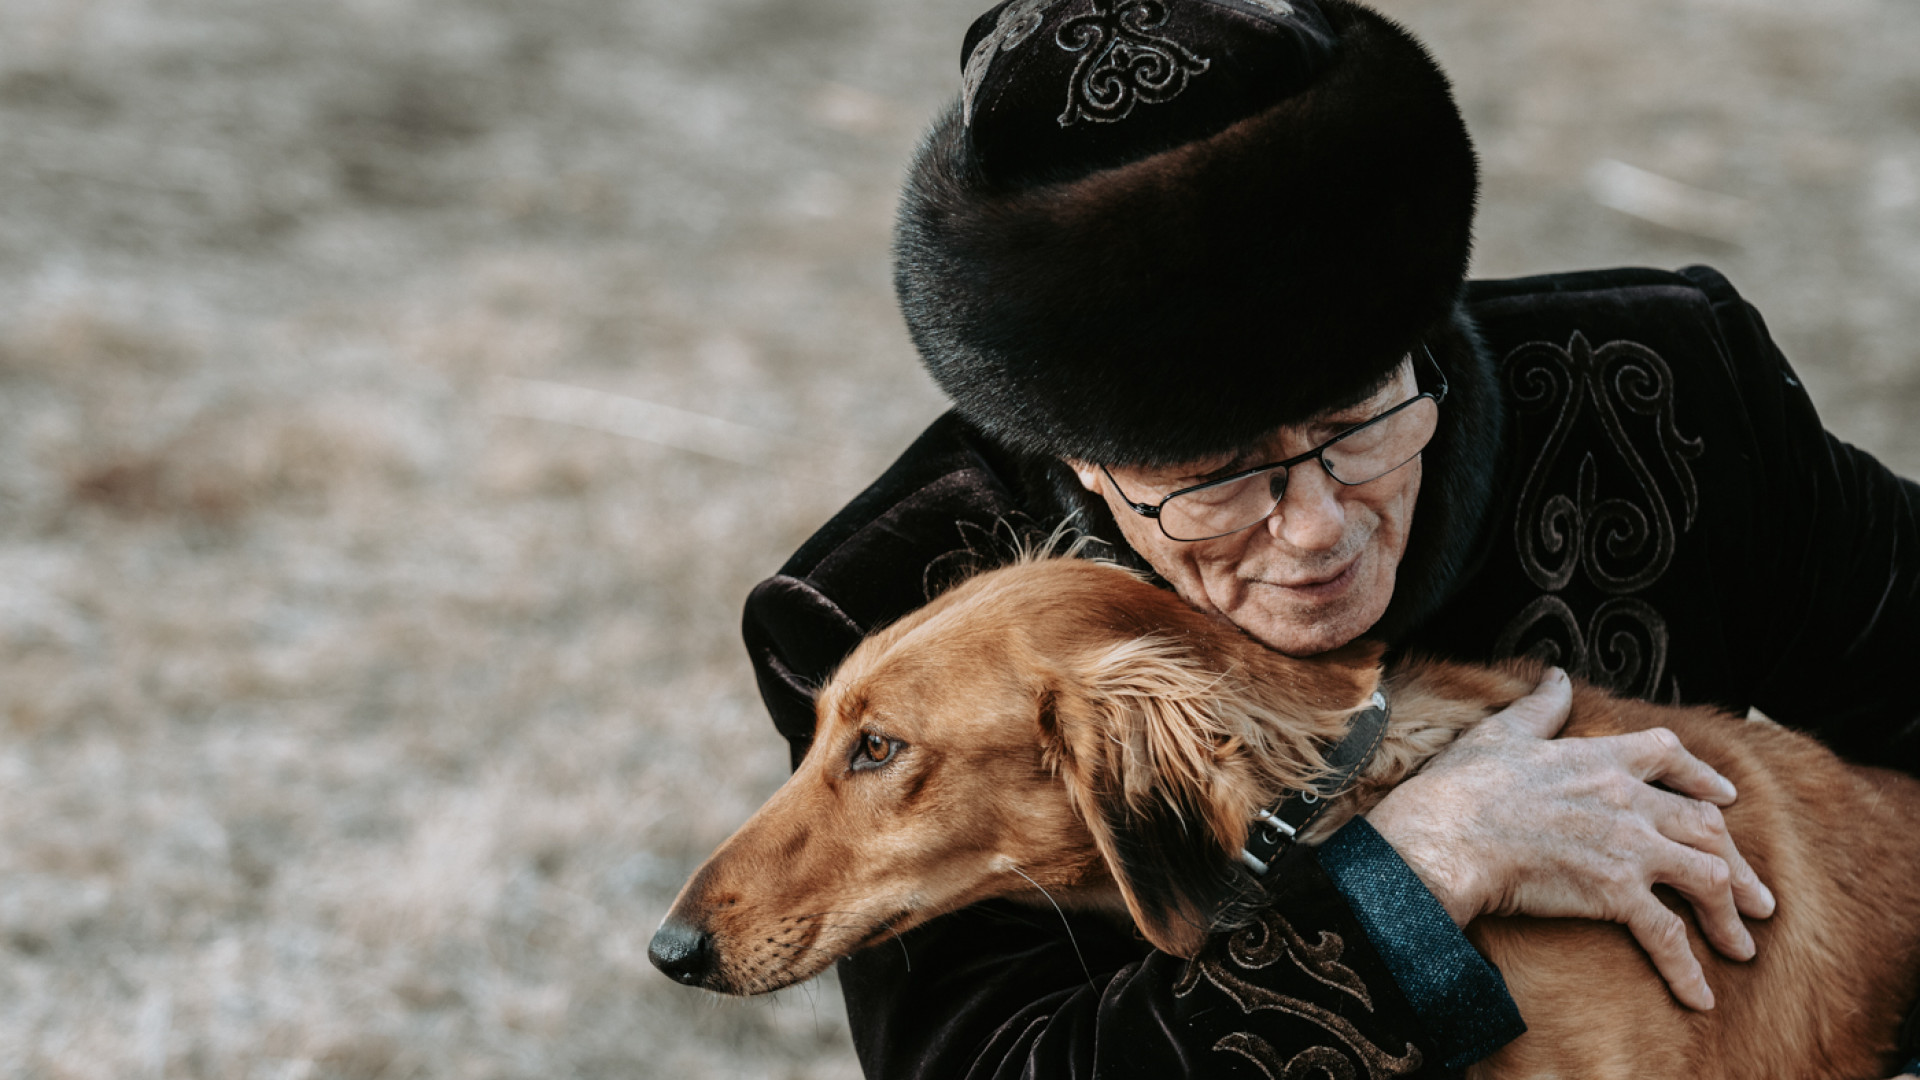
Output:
x,y
1192,272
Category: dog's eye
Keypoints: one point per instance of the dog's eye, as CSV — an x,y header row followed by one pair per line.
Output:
x,y
874,751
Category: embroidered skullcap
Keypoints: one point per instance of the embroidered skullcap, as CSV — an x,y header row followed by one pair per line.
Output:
x,y
1150,231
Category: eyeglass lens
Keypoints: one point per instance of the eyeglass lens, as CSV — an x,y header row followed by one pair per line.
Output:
x,y
1356,456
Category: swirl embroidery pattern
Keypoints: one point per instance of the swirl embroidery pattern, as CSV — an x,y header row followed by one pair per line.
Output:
x,y
1123,62
1263,944
1621,544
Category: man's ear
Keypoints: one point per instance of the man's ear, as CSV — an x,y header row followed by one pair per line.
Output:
x,y
1088,473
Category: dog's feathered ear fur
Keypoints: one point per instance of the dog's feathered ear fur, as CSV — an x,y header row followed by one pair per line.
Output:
x,y
1166,754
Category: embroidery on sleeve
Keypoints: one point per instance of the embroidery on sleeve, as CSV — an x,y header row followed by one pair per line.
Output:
x,y
1271,937
1323,1059
1621,540
1262,945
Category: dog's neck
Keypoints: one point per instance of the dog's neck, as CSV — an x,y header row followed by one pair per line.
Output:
x,y
1432,702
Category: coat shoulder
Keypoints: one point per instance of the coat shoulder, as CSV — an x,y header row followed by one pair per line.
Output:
x,y
1596,286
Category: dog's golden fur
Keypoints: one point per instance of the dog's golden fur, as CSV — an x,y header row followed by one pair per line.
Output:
x,y
1061,724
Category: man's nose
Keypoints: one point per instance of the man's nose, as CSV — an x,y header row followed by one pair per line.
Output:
x,y
1311,516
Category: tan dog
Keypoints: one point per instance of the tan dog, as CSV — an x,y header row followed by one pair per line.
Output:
x,y
1044,725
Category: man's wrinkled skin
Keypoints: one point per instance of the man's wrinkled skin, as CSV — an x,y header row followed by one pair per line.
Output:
x,y
1507,820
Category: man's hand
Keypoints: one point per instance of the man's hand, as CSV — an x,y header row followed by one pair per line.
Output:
x,y
1507,821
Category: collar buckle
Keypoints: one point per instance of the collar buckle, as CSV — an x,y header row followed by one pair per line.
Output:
x,y
1278,826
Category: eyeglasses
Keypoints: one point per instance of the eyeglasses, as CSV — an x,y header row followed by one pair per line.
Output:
x,y
1360,454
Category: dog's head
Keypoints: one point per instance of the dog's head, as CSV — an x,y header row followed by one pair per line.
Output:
x,y
1059,725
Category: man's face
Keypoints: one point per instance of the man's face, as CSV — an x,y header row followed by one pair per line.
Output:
x,y
1318,572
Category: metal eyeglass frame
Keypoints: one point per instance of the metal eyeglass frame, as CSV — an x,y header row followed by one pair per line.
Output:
x,y
1152,510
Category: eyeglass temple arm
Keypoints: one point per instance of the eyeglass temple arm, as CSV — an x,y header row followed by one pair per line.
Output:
x,y
1146,510
1441,394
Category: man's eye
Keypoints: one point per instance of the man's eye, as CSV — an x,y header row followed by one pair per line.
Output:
x,y
873,751
1220,494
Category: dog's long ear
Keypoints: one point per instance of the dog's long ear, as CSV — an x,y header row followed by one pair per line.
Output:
x,y
1167,750
1157,774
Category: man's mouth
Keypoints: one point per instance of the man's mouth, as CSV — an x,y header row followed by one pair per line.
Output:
x,y
1323,586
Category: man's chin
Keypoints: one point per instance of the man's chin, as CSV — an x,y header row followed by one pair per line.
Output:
x,y
1296,627
1296,637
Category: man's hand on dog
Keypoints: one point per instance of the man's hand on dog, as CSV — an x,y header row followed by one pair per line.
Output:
x,y
1508,821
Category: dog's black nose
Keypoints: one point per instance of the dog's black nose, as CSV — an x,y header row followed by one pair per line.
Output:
x,y
683,952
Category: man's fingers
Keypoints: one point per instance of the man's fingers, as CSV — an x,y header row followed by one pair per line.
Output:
x,y
1661,933
1657,755
1543,712
1700,826
1750,894
1708,869
1706,882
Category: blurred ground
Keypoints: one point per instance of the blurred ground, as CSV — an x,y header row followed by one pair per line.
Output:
x,y
398,399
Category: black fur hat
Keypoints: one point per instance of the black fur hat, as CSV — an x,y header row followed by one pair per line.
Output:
x,y
1150,231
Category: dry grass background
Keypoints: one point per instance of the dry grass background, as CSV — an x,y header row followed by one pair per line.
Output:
x,y
359,713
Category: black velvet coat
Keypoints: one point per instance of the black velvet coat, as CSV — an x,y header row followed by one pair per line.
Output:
x,y
1669,519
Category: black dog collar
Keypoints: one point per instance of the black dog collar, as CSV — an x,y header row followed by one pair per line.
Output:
x,y
1276,827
